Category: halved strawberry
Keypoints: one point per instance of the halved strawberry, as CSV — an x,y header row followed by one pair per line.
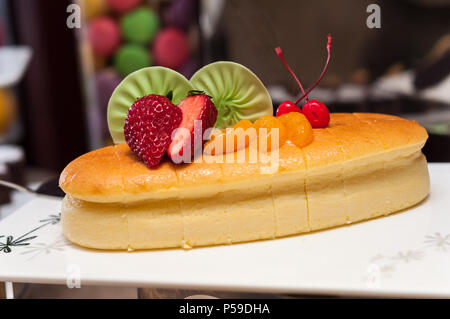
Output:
x,y
149,126
197,106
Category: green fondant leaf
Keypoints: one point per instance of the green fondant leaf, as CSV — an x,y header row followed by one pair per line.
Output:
x,y
236,92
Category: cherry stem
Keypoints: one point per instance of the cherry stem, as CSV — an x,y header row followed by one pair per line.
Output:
x,y
280,54
321,75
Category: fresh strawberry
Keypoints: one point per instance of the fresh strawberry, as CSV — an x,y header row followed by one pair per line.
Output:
x,y
149,125
197,106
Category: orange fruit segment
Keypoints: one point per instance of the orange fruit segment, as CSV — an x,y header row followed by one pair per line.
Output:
x,y
299,130
233,138
266,128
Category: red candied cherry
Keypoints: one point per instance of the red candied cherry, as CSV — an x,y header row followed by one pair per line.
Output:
x,y
287,107
317,113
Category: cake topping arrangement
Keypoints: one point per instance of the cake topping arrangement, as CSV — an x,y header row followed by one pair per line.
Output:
x,y
219,95
315,111
174,118
149,126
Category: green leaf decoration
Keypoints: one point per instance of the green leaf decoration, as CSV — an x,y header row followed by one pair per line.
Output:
x,y
151,80
236,92
23,240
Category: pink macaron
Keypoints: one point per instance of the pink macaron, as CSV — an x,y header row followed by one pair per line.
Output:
x,y
104,36
171,48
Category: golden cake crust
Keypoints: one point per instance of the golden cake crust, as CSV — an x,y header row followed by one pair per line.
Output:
x,y
115,174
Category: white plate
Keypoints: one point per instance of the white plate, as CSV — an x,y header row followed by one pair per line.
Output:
x,y
405,254
13,64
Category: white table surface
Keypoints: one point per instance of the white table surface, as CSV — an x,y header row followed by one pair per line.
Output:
x,y
402,255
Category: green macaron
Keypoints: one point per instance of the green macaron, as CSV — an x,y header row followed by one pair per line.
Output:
x,y
131,57
140,25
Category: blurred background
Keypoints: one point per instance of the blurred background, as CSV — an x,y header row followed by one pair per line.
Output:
x,y
57,72
59,63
